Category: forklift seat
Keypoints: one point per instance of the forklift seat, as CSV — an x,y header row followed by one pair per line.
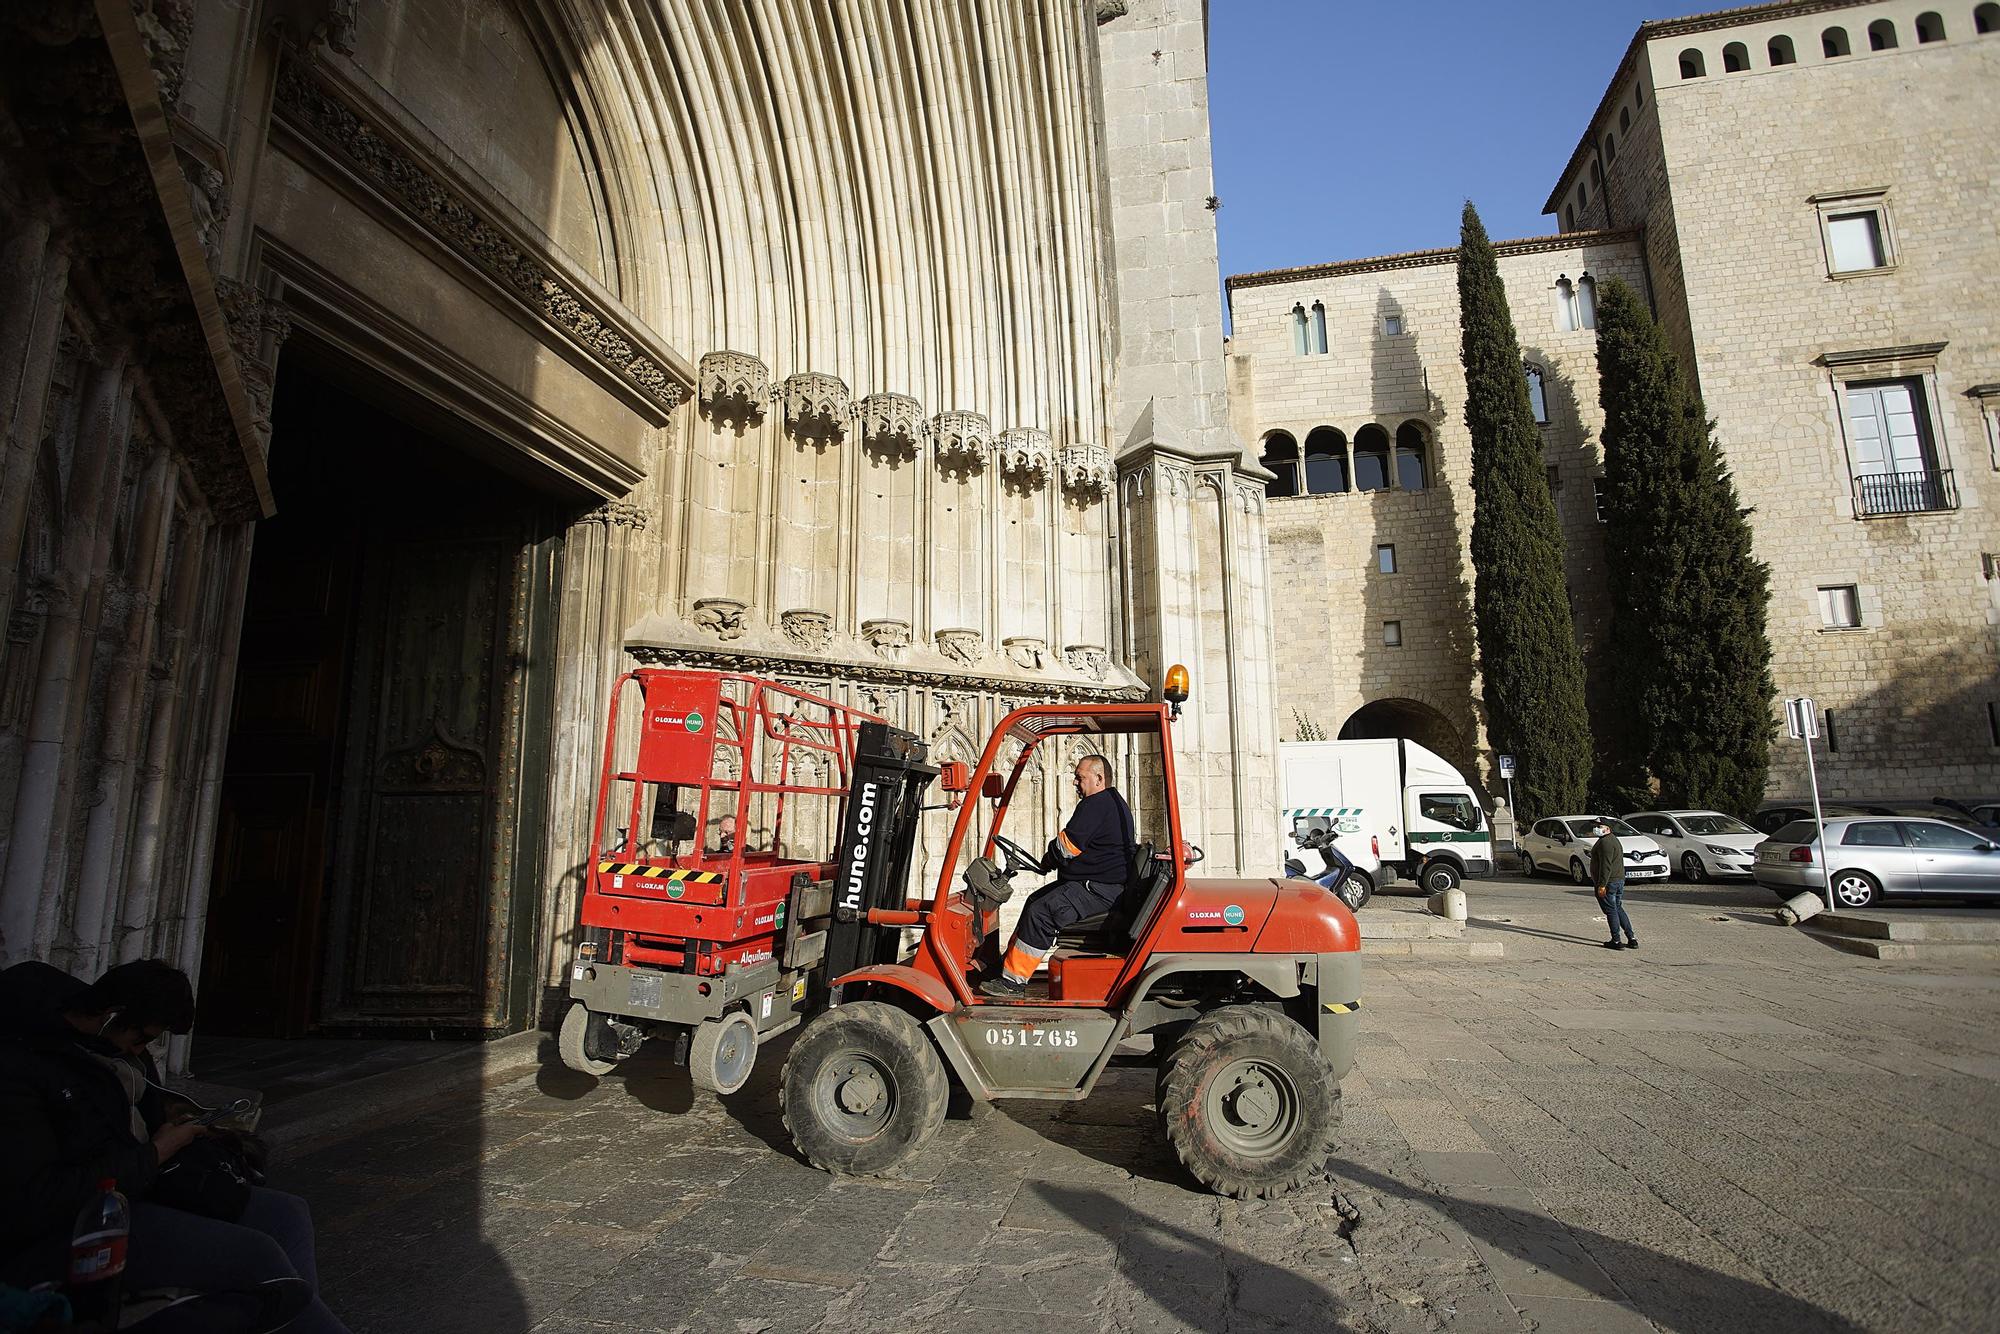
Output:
x,y
1112,931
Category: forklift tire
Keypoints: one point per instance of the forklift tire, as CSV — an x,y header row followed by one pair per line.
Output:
x,y
573,1046
723,1052
864,1089
1249,1103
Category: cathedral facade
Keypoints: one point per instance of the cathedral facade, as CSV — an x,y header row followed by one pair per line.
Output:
x,y
384,380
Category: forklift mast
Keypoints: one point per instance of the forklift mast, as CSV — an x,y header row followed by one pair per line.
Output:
x,y
877,840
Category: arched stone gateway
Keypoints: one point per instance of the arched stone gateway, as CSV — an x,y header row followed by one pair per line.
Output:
x,y
1414,720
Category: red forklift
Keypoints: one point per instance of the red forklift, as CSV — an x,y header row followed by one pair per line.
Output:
x,y
703,913
1247,988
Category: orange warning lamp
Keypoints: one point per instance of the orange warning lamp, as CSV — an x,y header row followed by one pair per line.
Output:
x,y
1177,687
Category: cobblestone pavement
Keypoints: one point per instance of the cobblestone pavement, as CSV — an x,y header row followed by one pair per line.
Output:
x,y
1735,1128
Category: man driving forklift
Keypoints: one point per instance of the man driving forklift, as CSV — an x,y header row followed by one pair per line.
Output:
x,y
1092,857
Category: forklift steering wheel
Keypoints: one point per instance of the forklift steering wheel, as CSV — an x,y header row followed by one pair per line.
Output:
x,y
1016,853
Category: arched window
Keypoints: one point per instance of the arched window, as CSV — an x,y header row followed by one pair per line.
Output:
x,y
1319,328
1583,194
1930,27
1299,330
1569,218
1281,456
1833,43
1586,302
1610,147
1326,462
1692,66
1881,35
1624,119
1371,459
1638,94
1780,51
1565,304
1412,457
1986,18
1735,58
1597,176
1538,393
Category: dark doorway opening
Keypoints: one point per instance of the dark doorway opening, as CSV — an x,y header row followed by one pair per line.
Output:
x,y
378,850
1413,720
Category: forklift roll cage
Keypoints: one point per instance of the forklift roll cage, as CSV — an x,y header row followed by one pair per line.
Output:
x,y
937,974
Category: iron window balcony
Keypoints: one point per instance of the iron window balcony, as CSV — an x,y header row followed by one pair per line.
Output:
x,y
1877,494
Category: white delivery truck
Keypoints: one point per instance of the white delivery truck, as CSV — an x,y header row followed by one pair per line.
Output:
x,y
1388,800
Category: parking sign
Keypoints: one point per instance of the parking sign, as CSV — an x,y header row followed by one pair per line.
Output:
x,y
1506,766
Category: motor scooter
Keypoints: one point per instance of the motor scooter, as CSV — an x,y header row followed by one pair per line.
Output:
x,y
1349,883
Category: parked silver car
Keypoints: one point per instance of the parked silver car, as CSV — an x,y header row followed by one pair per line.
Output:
x,y
1868,858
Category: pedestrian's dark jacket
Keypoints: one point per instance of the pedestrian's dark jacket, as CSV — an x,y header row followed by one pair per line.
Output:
x,y
1607,861
65,1118
1097,842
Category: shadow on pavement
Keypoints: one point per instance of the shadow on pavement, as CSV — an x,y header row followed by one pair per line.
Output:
x,y
1490,924
1676,1294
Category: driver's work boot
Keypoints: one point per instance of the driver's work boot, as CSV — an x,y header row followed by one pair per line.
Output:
x,y
1002,987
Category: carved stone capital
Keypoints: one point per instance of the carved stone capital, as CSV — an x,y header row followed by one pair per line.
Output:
x,y
817,407
1026,652
810,630
620,514
1027,456
891,425
888,637
1087,471
961,441
734,387
721,617
961,645
1108,10
1090,659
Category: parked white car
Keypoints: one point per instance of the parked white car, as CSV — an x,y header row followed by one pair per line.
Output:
x,y
1561,844
1701,845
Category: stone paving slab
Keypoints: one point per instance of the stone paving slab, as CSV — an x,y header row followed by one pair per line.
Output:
x,y
1736,1128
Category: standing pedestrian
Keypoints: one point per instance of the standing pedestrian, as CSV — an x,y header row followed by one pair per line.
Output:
x,y
1607,868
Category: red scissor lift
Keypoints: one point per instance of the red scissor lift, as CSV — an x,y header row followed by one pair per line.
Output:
x,y
716,949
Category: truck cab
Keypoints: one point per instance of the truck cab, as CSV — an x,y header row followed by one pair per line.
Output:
x,y
1392,802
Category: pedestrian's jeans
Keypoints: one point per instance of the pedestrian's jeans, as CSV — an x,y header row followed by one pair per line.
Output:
x,y
1612,900
172,1248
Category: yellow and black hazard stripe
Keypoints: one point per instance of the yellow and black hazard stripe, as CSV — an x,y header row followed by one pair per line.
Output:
x,y
1342,1007
669,874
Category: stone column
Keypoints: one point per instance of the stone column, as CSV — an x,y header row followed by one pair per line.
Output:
x,y
1193,555
34,281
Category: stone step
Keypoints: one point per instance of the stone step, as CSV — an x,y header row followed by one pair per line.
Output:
x,y
1909,951
1435,949
1937,929
1406,925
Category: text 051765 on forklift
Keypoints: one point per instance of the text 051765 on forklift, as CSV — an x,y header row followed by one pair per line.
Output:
x,y
1248,988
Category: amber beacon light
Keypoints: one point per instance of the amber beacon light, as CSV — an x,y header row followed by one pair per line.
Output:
x,y
1177,687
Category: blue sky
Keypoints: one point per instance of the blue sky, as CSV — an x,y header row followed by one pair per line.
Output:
x,y
1347,128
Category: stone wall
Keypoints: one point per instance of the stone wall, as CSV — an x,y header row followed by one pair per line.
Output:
x,y
1330,595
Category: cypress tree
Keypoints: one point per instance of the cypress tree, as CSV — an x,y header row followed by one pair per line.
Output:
x,y
1689,670
1528,657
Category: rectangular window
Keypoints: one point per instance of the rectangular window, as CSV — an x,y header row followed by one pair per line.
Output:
x,y
1392,634
1839,607
1993,720
1555,478
1890,451
1385,558
1392,324
1826,726
1597,497
1854,242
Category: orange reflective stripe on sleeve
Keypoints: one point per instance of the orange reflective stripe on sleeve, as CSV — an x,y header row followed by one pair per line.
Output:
x,y
1069,847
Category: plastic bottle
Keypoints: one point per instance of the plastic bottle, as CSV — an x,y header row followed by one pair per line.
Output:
x,y
97,1257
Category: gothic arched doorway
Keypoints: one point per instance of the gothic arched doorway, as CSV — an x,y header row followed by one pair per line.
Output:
x,y
1415,721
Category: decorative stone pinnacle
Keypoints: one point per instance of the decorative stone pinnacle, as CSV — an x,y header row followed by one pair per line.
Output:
x,y
1086,471
891,425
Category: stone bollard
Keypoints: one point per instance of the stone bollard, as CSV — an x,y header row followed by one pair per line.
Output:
x,y
1800,907
1448,904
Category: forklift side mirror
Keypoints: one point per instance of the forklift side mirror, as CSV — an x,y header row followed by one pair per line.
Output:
x,y
994,787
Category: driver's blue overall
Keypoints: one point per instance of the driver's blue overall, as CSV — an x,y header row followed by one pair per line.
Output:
x,y
1091,857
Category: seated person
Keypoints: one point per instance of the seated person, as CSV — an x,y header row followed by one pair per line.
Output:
x,y
1091,857
80,1101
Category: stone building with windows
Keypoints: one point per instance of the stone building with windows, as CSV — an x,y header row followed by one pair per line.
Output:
x,y
1805,192
384,379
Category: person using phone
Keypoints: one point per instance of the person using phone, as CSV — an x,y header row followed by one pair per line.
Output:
x,y
81,1101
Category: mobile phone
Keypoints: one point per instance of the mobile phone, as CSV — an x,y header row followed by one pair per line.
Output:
x,y
223,1113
